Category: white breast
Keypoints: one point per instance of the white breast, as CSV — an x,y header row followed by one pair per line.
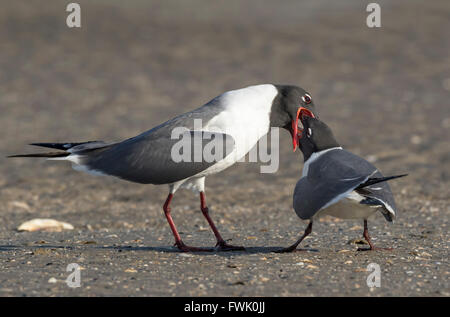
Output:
x,y
246,117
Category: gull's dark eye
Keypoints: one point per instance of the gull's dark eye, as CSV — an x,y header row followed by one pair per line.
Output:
x,y
306,98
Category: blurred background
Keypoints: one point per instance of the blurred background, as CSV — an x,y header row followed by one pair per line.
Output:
x,y
134,64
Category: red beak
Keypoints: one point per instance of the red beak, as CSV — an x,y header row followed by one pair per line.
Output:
x,y
296,135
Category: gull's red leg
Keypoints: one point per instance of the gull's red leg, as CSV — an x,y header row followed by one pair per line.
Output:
x,y
293,247
221,244
369,241
178,242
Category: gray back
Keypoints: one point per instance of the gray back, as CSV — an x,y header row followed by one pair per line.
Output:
x,y
332,174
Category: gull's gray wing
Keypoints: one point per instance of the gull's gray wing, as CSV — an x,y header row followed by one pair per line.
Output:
x,y
330,177
147,158
161,160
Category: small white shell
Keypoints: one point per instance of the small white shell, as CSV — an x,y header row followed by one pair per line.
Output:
x,y
44,225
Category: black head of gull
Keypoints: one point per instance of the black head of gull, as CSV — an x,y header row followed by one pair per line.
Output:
x,y
317,137
286,109
239,118
338,183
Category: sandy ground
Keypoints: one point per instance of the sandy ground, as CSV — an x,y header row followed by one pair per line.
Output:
x,y
385,92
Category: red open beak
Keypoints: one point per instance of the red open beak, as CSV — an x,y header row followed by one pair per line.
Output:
x,y
296,134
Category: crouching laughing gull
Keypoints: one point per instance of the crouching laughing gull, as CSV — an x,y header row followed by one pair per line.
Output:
x,y
336,182
240,117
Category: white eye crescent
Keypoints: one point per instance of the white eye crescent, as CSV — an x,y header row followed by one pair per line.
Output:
x,y
306,98
309,132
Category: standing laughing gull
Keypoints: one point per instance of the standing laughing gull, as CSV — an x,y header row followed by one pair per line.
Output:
x,y
241,117
336,182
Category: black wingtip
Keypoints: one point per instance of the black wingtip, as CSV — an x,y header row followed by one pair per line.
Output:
x,y
61,146
376,180
397,176
58,146
47,155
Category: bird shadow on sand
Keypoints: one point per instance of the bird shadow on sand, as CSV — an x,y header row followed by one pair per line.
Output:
x,y
4,248
164,249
